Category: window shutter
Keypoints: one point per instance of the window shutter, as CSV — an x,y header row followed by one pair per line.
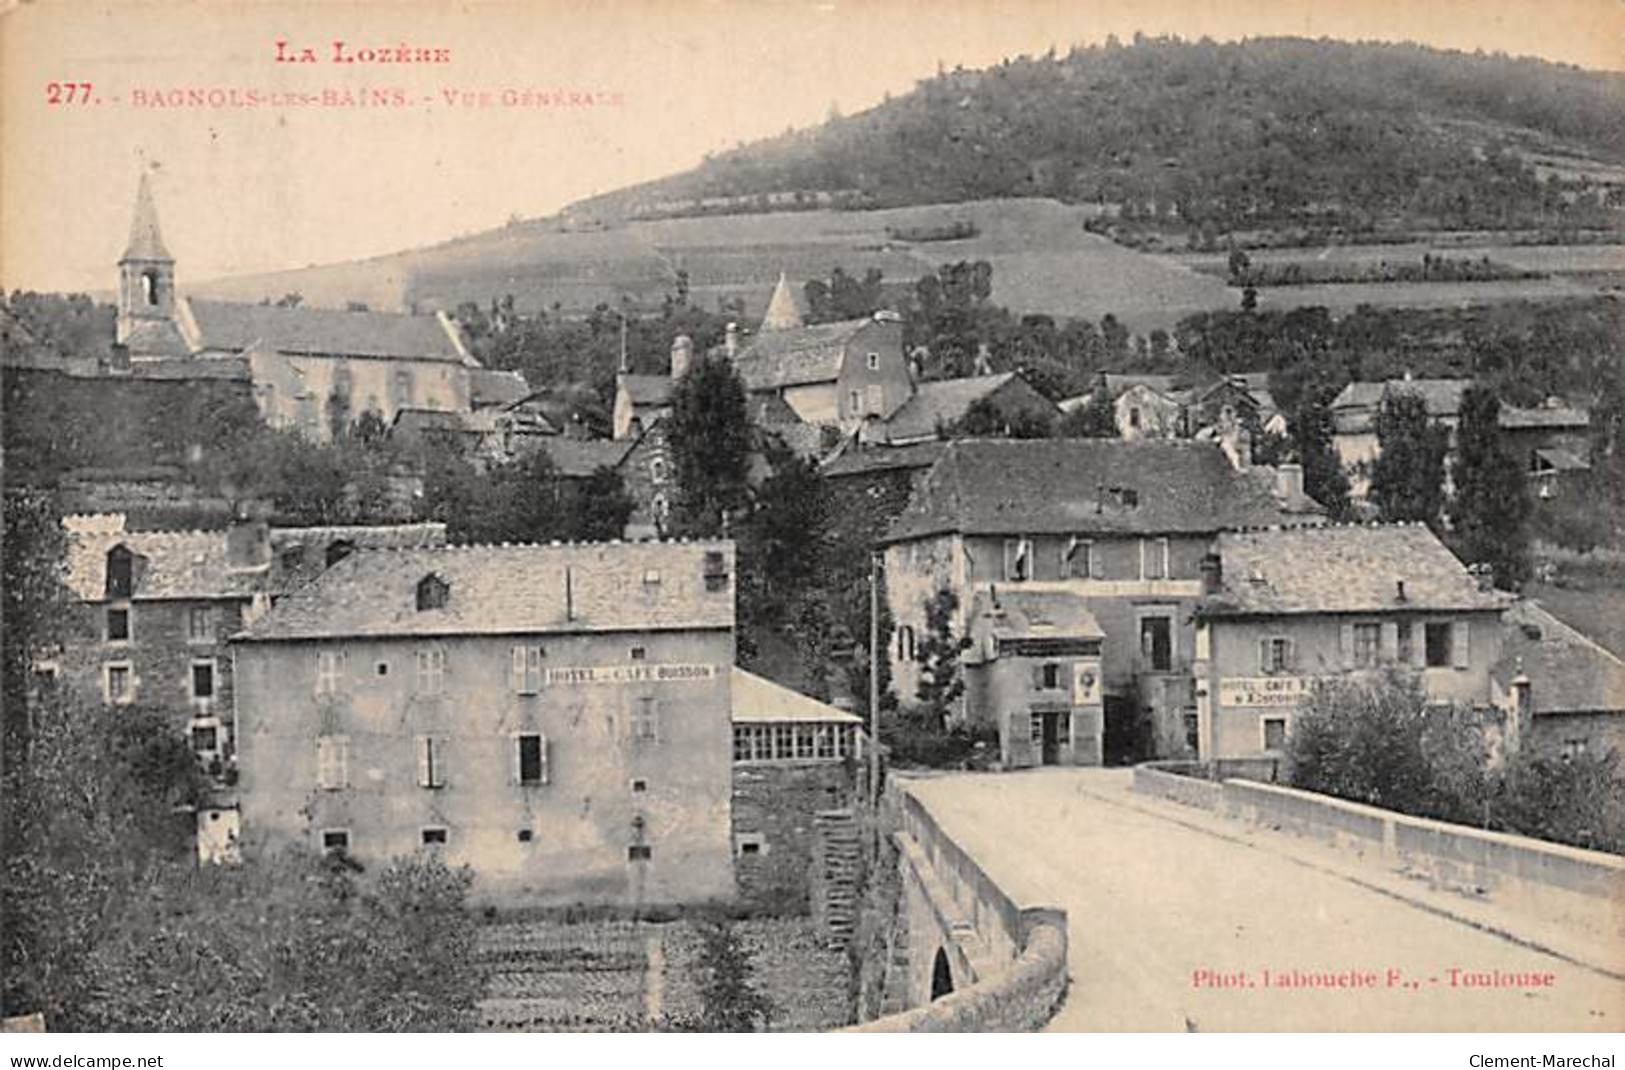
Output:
x,y
518,671
1459,644
425,773
1345,639
342,745
1291,654
1038,676
513,753
1264,654
1390,641
324,763
546,757
1419,645
533,668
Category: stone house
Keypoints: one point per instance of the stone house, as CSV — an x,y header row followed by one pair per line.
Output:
x,y
794,758
303,361
1121,526
1142,411
1561,689
936,406
556,717
1283,607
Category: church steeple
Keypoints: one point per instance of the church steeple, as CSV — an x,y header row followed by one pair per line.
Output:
x,y
782,311
146,270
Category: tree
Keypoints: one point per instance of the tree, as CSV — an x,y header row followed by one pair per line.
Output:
x,y
984,419
1096,418
1491,506
941,682
33,604
710,443
1407,478
1323,477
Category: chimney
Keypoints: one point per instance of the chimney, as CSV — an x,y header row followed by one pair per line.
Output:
x,y
730,340
1484,572
682,355
1399,590
1289,481
248,544
1212,574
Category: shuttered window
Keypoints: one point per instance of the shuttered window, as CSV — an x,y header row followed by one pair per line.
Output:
x,y
431,762
530,764
332,762
1460,645
329,671
526,672
431,670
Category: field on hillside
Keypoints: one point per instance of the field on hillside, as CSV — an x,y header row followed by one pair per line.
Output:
x,y
1556,259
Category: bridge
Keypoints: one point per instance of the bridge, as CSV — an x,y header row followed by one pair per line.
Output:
x,y
1066,891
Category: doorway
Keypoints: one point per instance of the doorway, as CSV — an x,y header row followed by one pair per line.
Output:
x,y
942,976
1050,731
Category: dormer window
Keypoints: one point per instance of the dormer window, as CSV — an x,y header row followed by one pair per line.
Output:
x,y
338,550
433,592
120,572
716,571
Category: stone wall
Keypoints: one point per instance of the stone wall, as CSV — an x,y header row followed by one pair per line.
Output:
x,y
775,806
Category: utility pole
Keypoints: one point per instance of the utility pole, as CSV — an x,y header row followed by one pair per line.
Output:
x,y
874,680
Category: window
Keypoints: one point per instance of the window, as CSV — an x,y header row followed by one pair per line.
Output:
x,y
1077,561
1404,643
1157,643
1018,560
526,673
1367,645
403,387
334,840
639,787
431,670
329,669
741,743
657,470
639,653
750,843
343,381
716,571
1573,748
120,572
524,836
199,624
433,592
1153,559
646,721
651,577
530,758
1276,654
1274,733
1193,726
1047,677
639,852
873,361
433,836
825,740
205,737
118,625
431,762
1036,729
804,741
875,398
332,762
203,680
118,683
784,742
905,643
1134,417
854,403
1438,644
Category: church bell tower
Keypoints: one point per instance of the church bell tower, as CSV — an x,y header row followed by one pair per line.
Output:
x,y
146,270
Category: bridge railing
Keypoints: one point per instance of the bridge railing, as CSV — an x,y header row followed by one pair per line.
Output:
x,y
1025,947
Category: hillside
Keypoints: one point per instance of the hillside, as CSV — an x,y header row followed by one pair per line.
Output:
x,y
1221,133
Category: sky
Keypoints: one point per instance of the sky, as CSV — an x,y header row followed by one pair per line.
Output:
x,y
306,174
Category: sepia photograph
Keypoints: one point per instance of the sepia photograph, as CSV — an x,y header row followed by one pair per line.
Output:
x,y
813,518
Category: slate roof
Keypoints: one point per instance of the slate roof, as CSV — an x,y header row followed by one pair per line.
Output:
x,y
782,311
1441,396
1562,460
1030,614
487,386
1343,568
1065,486
146,243
1568,672
857,460
1117,383
233,326
508,590
797,355
193,565
577,458
939,403
1513,418
158,338
757,700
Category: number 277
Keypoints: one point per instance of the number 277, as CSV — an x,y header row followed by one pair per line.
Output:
x,y
67,92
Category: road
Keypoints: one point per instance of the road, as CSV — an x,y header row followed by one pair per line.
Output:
x,y
1152,904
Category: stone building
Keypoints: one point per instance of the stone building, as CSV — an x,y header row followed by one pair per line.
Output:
x,y
1114,534
309,366
1564,691
936,406
556,717
794,759
1284,607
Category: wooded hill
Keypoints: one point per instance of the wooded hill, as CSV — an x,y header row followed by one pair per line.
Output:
x,y
1269,129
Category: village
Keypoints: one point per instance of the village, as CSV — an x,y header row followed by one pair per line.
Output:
x,y
810,519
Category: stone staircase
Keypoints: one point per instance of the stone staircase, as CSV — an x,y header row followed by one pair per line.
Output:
x,y
837,875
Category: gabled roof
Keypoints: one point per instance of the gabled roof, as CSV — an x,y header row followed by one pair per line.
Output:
x,y
576,458
509,590
1021,614
1342,568
1568,672
856,460
797,355
1072,486
159,338
146,243
1552,415
1116,383
758,700
782,311
299,330
1441,396
938,404
487,386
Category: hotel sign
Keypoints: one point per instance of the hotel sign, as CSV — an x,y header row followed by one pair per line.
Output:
x,y
1264,690
631,674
